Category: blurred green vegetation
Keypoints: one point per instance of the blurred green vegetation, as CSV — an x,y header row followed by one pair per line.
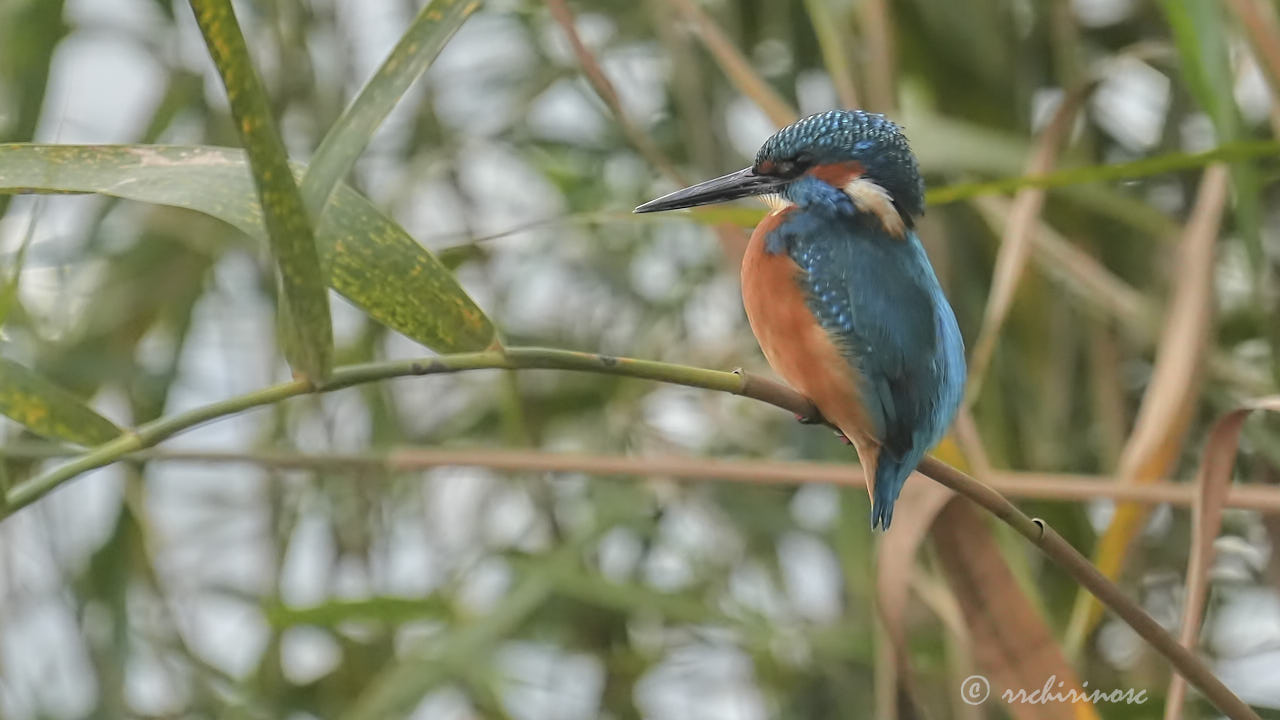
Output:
x,y
494,201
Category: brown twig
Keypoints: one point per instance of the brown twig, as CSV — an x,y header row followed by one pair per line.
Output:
x,y
830,32
1060,487
1213,482
731,238
1058,550
1168,404
600,82
877,34
1258,20
735,65
1070,559
1016,242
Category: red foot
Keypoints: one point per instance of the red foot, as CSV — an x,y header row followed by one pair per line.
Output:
x,y
844,439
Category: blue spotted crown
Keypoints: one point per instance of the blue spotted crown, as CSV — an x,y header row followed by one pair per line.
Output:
x,y
870,139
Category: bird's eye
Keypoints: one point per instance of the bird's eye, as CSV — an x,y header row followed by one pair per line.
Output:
x,y
787,168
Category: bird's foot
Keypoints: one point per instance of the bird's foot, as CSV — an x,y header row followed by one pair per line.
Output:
x,y
844,438
808,419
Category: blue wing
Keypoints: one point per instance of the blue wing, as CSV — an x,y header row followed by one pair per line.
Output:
x,y
879,299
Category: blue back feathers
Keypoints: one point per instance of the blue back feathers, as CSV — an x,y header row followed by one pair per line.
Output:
x,y
875,294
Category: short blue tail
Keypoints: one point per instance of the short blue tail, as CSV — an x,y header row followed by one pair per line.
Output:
x,y
891,475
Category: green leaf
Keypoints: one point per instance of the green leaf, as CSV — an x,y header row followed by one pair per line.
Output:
x,y
389,610
455,256
1233,152
46,409
1155,165
9,291
418,47
368,257
308,340
1200,36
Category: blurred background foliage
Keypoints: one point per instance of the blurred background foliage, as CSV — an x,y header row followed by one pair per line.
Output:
x,y
312,565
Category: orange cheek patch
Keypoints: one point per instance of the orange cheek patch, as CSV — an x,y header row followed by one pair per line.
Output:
x,y
865,194
837,174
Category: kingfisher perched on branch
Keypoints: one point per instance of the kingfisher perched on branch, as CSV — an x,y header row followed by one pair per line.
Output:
x,y
839,291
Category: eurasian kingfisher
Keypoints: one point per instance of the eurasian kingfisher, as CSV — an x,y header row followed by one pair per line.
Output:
x,y
839,292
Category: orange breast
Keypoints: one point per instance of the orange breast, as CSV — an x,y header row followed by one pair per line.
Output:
x,y
797,348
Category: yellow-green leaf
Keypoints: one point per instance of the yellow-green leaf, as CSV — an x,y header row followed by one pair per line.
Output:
x,y
1146,167
420,44
46,409
308,331
367,256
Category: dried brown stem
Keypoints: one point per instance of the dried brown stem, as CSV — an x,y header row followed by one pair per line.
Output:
x,y
1060,487
1057,549
609,94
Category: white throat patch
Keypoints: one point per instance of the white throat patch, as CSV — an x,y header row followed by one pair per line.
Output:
x,y
777,204
870,197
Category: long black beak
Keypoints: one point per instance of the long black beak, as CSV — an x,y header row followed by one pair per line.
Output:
x,y
735,185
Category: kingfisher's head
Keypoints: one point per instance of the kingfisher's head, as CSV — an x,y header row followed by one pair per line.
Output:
x,y
864,155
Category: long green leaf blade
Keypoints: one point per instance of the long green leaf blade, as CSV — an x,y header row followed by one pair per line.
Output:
x,y
1146,167
831,34
49,410
369,258
1203,43
418,47
1201,38
308,329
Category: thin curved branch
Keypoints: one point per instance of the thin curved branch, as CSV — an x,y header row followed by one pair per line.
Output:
x,y
1018,484
737,383
600,82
